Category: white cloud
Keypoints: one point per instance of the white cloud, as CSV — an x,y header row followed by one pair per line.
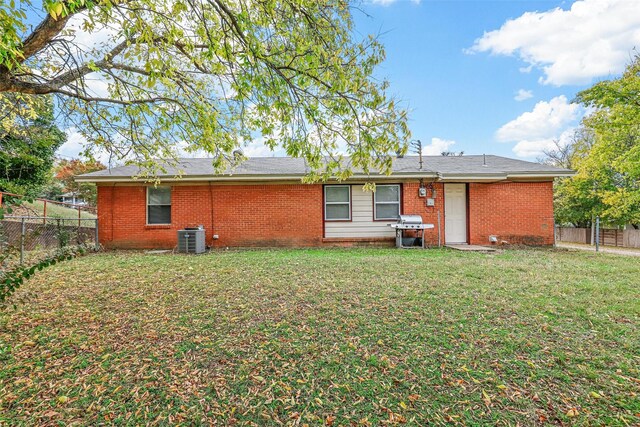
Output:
x,y
547,119
437,146
257,148
592,39
87,41
523,95
390,2
534,131
537,148
76,145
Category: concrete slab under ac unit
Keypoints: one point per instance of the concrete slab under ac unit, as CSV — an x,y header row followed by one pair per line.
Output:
x,y
471,248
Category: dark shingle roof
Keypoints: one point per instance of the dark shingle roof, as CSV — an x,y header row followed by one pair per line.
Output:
x,y
264,167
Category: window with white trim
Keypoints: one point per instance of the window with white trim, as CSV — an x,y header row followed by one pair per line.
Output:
x,y
158,205
386,200
337,203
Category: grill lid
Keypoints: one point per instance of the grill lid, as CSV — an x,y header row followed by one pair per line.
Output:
x,y
409,219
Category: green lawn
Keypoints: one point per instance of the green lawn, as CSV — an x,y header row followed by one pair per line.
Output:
x,y
53,210
326,337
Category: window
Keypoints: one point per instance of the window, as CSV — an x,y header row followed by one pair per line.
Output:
x,y
337,203
386,202
159,205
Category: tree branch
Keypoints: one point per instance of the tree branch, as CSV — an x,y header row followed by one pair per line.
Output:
x,y
42,35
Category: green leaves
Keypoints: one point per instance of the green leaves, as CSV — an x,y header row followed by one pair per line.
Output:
x,y
56,10
608,160
27,153
215,76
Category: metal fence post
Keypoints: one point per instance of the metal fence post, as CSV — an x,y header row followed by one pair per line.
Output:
x,y
59,232
22,233
96,236
597,234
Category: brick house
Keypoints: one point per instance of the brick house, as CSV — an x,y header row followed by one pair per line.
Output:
x,y
262,202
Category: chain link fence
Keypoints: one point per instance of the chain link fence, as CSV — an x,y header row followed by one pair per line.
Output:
x,y
26,240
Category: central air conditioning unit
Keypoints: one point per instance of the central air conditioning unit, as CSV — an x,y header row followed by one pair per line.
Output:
x,y
191,240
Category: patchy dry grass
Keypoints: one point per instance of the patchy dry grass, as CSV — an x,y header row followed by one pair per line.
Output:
x,y
357,337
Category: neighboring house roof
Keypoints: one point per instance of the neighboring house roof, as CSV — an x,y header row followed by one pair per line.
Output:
x,y
446,168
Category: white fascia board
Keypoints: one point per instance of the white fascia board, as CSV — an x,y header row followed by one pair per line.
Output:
x,y
222,178
472,178
488,177
533,175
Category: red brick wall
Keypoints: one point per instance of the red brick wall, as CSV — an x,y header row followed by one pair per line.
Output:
x,y
243,215
268,215
291,214
412,203
516,212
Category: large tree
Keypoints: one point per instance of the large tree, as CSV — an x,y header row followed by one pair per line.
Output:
x,y
27,154
613,161
605,152
142,78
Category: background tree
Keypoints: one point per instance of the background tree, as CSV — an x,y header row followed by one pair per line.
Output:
x,y
605,152
575,202
613,161
212,75
27,155
65,172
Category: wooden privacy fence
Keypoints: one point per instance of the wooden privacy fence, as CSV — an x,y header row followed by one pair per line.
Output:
x,y
631,239
607,237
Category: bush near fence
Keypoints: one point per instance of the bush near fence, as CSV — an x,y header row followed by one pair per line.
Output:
x,y
607,236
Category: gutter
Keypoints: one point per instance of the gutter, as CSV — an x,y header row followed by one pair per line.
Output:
x,y
487,177
223,178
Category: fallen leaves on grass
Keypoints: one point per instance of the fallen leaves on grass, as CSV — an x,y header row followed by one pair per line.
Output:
x,y
363,337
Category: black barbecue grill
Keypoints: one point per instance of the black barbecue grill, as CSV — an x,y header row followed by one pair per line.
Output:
x,y
410,223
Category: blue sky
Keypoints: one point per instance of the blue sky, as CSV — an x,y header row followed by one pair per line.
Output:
x,y
494,77
464,96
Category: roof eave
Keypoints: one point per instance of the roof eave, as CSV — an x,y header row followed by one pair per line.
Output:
x,y
238,177
449,177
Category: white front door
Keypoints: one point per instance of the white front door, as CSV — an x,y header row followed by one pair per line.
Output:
x,y
455,213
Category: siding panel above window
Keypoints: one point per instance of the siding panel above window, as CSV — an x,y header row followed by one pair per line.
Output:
x,y
158,205
337,203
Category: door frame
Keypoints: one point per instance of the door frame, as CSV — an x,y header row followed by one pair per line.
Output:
x,y
466,212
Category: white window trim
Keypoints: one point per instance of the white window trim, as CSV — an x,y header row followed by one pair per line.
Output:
x,y
376,202
147,205
336,203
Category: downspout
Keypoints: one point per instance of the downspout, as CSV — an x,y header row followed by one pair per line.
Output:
x,y
211,200
113,188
